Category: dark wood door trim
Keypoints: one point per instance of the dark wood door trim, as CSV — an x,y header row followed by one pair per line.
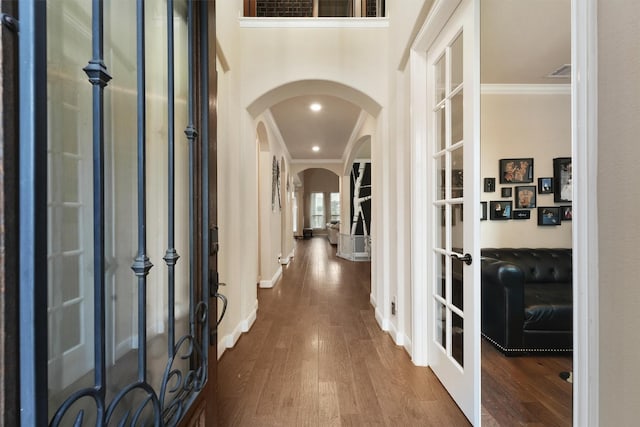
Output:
x,y
203,412
9,220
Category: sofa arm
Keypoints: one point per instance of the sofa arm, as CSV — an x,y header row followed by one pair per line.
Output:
x,y
502,303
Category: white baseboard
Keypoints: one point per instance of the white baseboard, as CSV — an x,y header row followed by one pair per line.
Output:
x,y
286,260
408,346
267,284
397,337
250,320
125,346
372,300
382,322
230,340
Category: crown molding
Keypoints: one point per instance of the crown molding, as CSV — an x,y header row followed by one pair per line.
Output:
x,y
353,138
315,161
526,89
275,130
313,22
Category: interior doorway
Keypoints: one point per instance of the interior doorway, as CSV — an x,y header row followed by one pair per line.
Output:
x,y
526,157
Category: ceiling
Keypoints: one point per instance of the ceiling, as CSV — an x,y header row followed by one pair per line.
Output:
x,y
522,41
329,128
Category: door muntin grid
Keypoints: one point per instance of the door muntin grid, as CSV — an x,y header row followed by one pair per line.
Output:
x,y
448,241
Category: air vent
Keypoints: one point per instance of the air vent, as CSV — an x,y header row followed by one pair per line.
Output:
x,y
563,72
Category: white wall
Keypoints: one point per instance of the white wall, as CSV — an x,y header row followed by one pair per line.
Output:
x,y
264,59
405,18
260,60
618,203
523,126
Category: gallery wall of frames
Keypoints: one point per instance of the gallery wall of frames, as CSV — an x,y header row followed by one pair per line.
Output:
x,y
526,171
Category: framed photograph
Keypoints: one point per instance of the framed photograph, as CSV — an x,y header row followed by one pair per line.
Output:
x,y
483,211
521,214
525,197
500,210
516,171
567,213
549,215
545,185
562,179
489,185
457,183
506,192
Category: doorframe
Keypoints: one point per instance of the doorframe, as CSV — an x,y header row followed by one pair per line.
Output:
x,y
584,141
584,124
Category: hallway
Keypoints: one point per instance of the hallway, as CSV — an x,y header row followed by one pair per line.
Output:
x,y
316,356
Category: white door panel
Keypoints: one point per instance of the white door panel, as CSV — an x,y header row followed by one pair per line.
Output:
x,y
452,139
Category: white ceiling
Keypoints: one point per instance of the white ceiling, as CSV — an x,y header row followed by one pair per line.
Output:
x,y
521,42
329,128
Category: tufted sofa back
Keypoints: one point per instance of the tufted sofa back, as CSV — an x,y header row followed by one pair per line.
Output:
x,y
538,265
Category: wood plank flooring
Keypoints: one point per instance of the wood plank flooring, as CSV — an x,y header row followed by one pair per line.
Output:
x,y
525,390
316,357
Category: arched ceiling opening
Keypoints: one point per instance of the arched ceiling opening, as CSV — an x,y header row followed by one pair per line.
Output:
x,y
330,128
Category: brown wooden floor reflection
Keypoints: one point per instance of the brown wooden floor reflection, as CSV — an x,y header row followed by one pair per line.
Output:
x,y
316,356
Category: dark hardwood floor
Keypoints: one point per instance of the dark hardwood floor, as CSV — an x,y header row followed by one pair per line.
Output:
x,y
525,390
316,357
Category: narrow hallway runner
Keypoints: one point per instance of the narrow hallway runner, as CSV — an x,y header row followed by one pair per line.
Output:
x,y
316,356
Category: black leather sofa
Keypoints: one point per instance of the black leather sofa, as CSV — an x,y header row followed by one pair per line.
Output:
x,y
527,300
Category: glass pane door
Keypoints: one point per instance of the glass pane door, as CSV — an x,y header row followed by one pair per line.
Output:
x,y
451,94
448,161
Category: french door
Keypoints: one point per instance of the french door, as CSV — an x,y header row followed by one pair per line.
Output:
x,y
118,244
453,153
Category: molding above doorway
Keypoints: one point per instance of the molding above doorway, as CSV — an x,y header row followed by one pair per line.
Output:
x,y
522,89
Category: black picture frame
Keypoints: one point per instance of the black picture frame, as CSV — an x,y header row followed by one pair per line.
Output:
x,y
567,213
549,215
483,211
562,179
500,210
506,192
545,185
524,214
489,185
525,197
516,171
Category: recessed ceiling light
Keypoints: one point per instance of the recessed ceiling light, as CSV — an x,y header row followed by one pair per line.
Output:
x,y
315,148
315,107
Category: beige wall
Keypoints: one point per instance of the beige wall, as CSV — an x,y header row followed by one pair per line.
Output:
x,y
516,126
619,202
279,57
319,181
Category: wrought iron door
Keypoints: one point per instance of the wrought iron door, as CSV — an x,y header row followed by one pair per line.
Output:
x,y
117,242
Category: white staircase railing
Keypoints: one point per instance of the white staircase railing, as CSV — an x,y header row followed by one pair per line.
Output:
x,y
354,248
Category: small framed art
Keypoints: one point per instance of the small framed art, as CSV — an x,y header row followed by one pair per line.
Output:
x,y
515,171
549,215
545,185
483,211
525,197
500,210
526,214
489,185
562,179
506,192
567,213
